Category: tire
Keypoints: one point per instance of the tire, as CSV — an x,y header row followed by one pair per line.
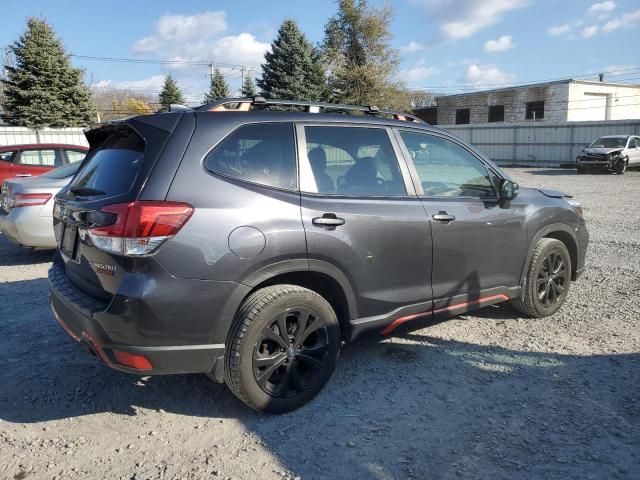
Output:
x,y
620,167
582,169
547,255
271,371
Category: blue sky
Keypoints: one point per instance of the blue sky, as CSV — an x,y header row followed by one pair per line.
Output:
x,y
446,46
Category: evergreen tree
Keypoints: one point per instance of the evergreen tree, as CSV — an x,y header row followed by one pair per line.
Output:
x,y
292,69
43,89
170,93
249,87
219,88
363,65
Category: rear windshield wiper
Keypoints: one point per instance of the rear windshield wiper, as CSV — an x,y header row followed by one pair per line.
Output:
x,y
86,191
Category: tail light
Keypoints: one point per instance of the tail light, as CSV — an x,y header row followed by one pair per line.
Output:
x,y
30,199
140,227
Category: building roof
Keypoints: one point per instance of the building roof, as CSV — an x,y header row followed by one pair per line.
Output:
x,y
543,84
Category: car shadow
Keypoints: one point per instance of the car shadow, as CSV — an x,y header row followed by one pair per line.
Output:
x,y
12,255
420,407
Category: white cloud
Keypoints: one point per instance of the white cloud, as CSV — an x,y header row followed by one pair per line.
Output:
x,y
626,20
486,76
602,8
198,37
420,71
463,18
411,47
559,30
589,31
505,42
152,84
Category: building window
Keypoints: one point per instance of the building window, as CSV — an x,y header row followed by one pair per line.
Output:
x,y
463,116
535,111
496,113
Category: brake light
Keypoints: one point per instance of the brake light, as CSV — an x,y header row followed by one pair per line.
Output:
x,y
140,227
30,199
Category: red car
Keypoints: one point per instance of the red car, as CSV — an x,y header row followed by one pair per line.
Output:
x,y
36,159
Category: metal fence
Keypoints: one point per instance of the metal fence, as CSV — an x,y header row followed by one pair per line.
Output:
x,y
23,135
513,144
542,144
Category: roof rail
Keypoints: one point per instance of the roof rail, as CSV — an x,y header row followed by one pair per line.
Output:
x,y
246,104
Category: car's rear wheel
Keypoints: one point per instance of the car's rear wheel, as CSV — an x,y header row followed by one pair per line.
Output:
x,y
546,284
282,348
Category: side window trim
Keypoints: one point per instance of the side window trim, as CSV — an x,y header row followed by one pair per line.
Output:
x,y
306,180
414,171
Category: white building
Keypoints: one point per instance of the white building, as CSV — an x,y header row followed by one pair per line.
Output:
x,y
560,101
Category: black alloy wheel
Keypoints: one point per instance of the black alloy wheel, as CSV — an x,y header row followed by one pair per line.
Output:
x,y
552,279
291,353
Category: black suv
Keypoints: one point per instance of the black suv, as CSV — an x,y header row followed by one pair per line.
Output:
x,y
248,243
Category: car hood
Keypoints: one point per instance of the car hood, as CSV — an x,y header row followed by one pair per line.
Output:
x,y
554,193
602,150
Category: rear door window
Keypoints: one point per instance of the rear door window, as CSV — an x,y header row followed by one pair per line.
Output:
x,y
353,161
258,153
39,158
113,166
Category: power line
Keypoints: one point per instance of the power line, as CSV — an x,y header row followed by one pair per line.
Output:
x,y
162,61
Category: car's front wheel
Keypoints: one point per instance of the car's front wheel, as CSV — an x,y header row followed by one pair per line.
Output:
x,y
282,348
620,167
547,281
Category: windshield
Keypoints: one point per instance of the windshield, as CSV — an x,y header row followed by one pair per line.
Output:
x,y
63,172
609,142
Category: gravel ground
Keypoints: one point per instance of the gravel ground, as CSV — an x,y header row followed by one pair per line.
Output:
x,y
488,395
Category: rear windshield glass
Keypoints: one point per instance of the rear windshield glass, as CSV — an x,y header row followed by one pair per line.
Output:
x,y
62,172
111,169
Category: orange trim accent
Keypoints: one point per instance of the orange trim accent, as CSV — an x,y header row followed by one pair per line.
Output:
x,y
500,297
399,321
64,325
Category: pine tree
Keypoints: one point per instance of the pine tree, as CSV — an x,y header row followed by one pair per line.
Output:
x,y
292,69
219,88
249,87
363,65
170,93
44,89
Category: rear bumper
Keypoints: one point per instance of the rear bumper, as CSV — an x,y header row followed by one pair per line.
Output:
x,y
26,226
95,325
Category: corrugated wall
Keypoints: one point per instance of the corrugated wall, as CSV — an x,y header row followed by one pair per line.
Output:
x,y
22,135
520,144
543,144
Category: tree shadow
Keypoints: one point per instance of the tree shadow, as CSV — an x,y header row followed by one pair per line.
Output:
x,y
421,407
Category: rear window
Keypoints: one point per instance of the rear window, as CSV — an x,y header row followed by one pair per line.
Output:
x,y
259,153
62,172
112,169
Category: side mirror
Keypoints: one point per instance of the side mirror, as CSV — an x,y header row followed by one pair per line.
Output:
x,y
508,190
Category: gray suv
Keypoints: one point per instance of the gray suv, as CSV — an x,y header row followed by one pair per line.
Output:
x,y
248,244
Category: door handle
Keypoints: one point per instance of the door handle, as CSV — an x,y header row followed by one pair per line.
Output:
x,y
328,220
443,217
23,174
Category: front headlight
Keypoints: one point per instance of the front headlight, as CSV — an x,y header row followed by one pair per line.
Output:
x,y
577,207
